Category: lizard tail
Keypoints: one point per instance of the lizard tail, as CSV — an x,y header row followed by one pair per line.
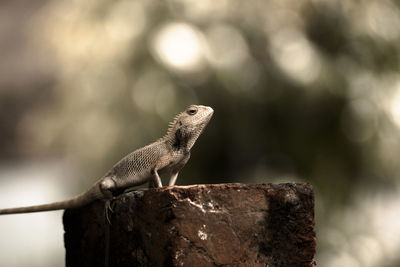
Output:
x,y
75,202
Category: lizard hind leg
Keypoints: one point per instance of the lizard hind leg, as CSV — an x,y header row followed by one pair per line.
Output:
x,y
155,181
107,187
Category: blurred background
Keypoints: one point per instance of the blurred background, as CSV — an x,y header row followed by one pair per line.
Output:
x,y
302,91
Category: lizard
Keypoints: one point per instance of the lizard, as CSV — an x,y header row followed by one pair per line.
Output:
x,y
169,154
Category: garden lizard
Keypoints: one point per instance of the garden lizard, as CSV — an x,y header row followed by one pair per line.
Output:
x,y
166,155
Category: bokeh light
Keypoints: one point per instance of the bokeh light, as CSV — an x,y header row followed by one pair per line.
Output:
x,y
179,46
295,55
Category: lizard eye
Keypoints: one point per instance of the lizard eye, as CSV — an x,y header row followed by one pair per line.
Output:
x,y
192,111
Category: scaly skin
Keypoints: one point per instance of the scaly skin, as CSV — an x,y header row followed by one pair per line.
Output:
x,y
166,155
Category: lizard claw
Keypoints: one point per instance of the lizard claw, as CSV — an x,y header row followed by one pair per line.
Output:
x,y
107,209
109,205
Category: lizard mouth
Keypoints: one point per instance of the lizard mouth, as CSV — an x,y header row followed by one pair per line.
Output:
x,y
203,120
206,117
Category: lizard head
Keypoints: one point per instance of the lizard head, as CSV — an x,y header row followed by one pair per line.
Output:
x,y
188,125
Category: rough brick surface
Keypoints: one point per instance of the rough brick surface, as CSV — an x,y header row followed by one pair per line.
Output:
x,y
200,225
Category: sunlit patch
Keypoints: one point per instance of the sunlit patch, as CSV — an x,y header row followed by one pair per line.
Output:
x,y
363,84
201,10
33,183
383,20
369,232
295,55
394,106
179,46
227,47
125,21
342,259
385,225
369,251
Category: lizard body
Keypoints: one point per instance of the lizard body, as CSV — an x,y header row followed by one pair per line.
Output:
x,y
168,154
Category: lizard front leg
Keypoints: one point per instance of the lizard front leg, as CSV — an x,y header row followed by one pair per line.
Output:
x,y
156,180
172,179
